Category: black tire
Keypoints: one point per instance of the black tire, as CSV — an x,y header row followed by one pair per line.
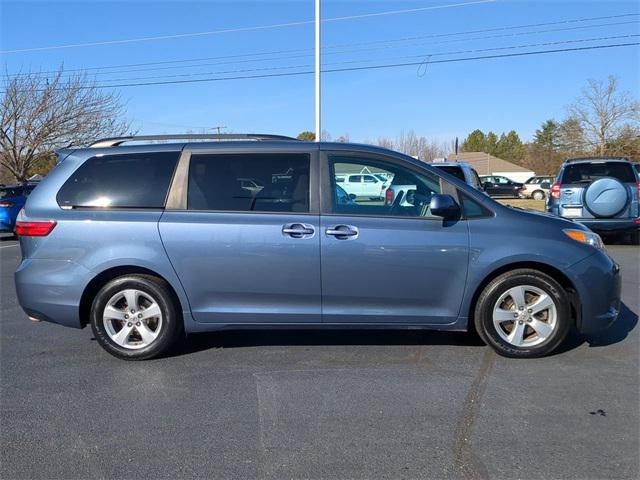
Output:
x,y
156,288
483,313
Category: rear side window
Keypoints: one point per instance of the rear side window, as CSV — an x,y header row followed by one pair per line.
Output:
x,y
278,182
589,172
453,170
138,180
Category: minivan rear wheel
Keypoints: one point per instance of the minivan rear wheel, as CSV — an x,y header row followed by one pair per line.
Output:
x,y
523,313
134,317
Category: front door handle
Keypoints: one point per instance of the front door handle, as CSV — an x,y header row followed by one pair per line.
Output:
x,y
298,230
343,232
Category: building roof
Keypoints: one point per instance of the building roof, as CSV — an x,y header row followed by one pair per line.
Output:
x,y
486,164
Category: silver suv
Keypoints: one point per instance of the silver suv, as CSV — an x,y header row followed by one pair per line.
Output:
x,y
601,193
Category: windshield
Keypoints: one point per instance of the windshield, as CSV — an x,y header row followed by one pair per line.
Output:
x,y
8,192
590,172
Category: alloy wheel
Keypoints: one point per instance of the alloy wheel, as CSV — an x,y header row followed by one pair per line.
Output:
x,y
525,316
132,319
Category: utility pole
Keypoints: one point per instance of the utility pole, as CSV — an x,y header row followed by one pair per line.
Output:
x,y
218,128
317,72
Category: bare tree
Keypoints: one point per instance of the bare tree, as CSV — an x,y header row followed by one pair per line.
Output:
x,y
602,111
417,146
40,114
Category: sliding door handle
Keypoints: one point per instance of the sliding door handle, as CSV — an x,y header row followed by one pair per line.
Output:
x,y
298,230
342,232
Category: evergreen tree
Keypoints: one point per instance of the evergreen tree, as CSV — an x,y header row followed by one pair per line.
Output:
x,y
475,142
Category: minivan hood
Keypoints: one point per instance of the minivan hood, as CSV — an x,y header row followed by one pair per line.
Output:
x,y
545,216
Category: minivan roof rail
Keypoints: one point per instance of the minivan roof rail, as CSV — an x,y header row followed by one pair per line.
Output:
x,y
116,141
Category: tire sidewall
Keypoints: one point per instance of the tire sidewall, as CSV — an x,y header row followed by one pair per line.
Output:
x,y
491,294
160,294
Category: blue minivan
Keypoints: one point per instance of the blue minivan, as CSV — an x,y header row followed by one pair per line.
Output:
x,y
149,241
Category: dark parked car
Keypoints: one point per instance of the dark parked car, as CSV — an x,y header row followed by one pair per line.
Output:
x,y
499,186
145,242
601,193
12,199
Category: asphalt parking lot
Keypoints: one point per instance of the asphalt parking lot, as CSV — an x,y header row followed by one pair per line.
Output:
x,y
303,404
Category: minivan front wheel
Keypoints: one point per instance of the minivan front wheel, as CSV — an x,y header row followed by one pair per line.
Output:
x,y
134,317
523,313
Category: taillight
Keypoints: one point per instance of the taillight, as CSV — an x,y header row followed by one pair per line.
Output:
x,y
639,190
6,204
555,191
388,197
35,229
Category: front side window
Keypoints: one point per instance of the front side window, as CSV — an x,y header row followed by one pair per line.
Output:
x,y
407,194
137,180
249,182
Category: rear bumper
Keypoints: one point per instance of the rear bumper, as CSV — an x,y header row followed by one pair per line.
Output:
x,y
617,226
50,290
607,225
598,284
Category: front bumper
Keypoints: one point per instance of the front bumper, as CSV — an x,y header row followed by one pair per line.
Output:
x,y
598,286
50,290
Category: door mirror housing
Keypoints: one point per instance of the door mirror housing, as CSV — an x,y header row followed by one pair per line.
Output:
x,y
444,206
545,185
352,196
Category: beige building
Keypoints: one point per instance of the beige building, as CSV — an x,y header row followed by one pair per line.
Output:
x,y
486,164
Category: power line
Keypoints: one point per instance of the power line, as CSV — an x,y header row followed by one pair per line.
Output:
x,y
242,29
288,57
439,35
422,55
371,67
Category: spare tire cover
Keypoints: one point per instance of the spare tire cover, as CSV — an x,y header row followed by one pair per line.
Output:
x,y
606,197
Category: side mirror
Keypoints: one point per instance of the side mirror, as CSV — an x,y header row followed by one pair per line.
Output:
x,y
545,185
444,206
352,196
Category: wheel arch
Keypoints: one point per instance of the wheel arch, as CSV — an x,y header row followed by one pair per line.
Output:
x,y
101,279
545,268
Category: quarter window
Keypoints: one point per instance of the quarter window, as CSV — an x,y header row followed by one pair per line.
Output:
x,y
138,180
249,182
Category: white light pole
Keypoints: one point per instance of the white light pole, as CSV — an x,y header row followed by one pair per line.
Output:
x,y
317,72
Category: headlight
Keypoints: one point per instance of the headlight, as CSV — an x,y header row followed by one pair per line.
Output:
x,y
588,238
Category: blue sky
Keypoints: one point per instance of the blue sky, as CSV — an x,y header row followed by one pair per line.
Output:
x,y
449,100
